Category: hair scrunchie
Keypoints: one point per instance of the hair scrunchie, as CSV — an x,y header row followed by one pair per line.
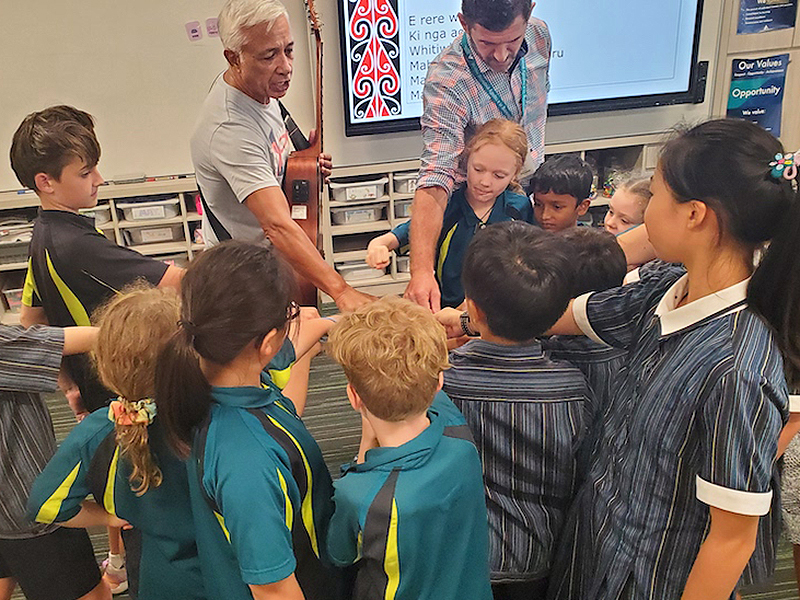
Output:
x,y
141,412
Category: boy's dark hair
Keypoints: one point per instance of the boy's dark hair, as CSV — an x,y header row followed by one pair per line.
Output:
x,y
597,258
564,175
495,15
519,276
47,140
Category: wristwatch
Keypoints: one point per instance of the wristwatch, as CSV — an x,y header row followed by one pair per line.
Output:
x,y
464,319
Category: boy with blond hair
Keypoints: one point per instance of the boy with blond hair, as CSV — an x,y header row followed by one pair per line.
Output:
x,y
410,509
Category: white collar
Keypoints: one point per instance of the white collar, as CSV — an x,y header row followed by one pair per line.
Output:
x,y
723,302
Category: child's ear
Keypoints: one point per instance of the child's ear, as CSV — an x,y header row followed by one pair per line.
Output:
x,y
698,214
441,382
355,399
271,343
584,206
44,183
476,315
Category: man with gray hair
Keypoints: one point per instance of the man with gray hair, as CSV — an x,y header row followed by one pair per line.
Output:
x,y
240,144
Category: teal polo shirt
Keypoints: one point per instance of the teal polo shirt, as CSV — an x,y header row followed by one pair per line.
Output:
x,y
88,462
414,517
459,225
261,496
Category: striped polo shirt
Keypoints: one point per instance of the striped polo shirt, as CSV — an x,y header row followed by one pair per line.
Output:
x,y
89,461
694,423
261,496
459,225
414,516
29,363
73,269
528,414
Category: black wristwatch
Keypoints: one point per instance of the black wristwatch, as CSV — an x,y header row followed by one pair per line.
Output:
x,y
464,319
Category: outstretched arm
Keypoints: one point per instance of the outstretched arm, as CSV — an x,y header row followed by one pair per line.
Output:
x,y
427,213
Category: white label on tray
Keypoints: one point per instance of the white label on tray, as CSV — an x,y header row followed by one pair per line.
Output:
x,y
366,215
363,192
148,212
162,234
299,212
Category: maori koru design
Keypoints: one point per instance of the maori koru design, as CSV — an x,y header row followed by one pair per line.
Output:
x,y
374,58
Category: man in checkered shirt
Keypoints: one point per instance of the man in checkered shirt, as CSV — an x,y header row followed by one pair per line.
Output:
x,y
498,67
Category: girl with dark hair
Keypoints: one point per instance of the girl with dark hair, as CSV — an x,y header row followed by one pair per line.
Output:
x,y
261,493
674,492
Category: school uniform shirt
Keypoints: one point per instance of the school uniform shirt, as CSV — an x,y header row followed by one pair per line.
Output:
x,y
239,146
29,363
459,225
413,517
528,414
261,496
694,423
89,461
73,269
456,104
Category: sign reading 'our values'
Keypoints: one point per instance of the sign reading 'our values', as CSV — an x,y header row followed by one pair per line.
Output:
x,y
757,91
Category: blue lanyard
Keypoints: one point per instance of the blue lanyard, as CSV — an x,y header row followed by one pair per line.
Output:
x,y
477,74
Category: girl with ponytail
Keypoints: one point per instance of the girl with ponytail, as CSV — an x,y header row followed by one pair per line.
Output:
x,y
673,495
261,493
120,454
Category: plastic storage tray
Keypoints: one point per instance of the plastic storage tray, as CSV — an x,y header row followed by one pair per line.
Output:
x,y
402,209
358,190
13,252
403,264
405,183
153,235
101,213
358,271
360,214
12,291
144,211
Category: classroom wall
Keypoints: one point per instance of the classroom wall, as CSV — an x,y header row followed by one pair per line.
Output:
x,y
132,65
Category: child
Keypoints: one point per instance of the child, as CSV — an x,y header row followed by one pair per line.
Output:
x,y
528,413
260,491
627,205
673,495
48,562
491,194
410,511
599,264
120,456
561,187
73,268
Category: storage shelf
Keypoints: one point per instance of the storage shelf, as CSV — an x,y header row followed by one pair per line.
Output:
x,y
354,203
399,196
376,226
10,318
161,248
349,255
127,224
147,188
383,279
15,266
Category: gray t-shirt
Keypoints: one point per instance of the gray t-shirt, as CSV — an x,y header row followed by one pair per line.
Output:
x,y
239,146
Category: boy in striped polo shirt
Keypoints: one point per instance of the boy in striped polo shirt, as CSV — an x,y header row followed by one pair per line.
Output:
x,y
410,509
528,412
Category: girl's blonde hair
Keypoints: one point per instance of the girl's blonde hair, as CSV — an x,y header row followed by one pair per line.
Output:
x,y
134,326
503,133
637,184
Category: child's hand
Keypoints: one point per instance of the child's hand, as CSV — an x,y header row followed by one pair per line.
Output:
x,y
451,319
378,255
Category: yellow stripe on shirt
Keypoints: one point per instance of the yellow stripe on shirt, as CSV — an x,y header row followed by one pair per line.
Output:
x,y
108,495
306,508
52,506
74,306
29,289
222,524
289,512
443,251
391,562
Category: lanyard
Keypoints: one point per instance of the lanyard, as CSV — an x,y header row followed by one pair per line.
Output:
x,y
477,74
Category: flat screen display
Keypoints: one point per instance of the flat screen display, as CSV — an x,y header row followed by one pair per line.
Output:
x,y
606,55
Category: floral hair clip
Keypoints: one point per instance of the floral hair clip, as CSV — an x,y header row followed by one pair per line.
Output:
x,y
785,165
132,413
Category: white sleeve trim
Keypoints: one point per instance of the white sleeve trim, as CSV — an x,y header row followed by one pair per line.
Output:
x,y
632,277
736,501
582,318
794,403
